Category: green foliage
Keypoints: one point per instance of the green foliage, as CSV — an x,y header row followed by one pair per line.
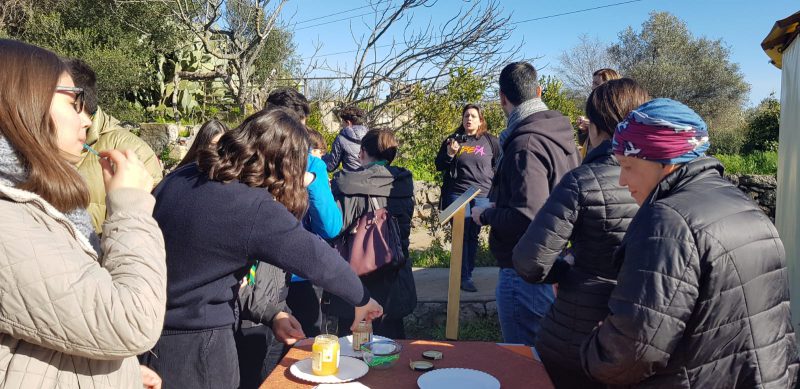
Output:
x,y
136,48
101,34
557,98
314,120
758,162
668,61
278,54
726,141
483,329
495,118
435,116
433,256
437,256
166,158
763,125
189,100
420,169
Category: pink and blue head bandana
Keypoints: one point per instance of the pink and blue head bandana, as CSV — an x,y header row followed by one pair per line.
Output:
x,y
662,130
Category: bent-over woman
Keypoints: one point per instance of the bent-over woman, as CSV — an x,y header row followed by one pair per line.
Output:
x,y
241,201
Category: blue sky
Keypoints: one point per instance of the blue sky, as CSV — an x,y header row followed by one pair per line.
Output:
x,y
741,24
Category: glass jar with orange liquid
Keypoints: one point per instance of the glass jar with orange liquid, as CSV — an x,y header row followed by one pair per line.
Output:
x,y
325,355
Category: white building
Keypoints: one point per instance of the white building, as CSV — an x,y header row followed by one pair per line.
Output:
x,y
783,48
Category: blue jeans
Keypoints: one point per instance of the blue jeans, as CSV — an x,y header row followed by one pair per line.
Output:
x,y
471,232
521,306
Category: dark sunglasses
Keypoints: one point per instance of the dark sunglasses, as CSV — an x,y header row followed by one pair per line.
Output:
x,y
80,99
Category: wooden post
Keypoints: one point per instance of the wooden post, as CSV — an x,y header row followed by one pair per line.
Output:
x,y
456,211
454,287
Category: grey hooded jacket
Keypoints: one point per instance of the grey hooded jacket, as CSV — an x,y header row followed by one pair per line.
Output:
x,y
345,148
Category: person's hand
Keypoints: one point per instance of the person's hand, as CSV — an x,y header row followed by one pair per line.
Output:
x,y
123,169
452,148
368,312
287,329
570,259
308,178
583,123
150,380
476,214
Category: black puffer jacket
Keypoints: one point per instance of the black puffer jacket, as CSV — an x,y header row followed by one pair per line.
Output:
x,y
261,300
591,209
702,299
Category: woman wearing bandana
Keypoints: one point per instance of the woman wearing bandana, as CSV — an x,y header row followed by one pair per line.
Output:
x,y
702,298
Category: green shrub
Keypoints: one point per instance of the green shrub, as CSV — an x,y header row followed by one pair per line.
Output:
x,y
557,98
494,116
763,125
420,167
727,142
483,329
759,162
166,159
437,256
433,256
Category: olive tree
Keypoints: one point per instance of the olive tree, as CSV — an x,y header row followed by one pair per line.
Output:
x,y
669,61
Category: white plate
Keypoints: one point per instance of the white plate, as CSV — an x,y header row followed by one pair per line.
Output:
x,y
349,369
348,385
346,345
457,378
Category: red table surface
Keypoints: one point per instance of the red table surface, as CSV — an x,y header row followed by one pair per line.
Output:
x,y
513,366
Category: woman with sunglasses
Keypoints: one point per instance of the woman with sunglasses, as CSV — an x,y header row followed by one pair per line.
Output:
x,y
74,310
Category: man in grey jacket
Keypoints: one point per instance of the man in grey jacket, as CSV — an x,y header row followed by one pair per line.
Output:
x,y
538,148
347,144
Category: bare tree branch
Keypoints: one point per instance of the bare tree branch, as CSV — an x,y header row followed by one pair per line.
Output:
x,y
398,52
577,64
232,30
11,11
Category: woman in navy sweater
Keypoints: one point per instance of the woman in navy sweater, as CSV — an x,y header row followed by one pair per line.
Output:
x,y
242,201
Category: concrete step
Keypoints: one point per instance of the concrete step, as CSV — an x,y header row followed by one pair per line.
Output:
x,y
432,285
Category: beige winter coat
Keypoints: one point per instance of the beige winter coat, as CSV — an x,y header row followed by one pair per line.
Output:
x,y
67,319
106,134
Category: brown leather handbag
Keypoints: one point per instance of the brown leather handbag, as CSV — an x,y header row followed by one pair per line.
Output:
x,y
372,242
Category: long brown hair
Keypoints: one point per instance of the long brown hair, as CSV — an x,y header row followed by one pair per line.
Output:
x,y
27,83
607,74
481,129
268,150
202,140
609,103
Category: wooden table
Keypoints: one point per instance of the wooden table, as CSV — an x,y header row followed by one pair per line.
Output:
x,y
512,365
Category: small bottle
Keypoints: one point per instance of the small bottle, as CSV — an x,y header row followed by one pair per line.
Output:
x,y
362,334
